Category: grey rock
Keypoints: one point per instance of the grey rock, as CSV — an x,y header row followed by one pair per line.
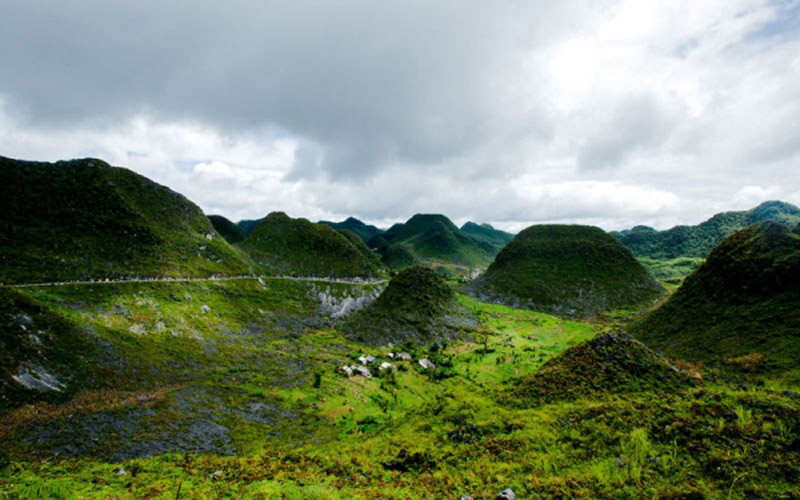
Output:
x,y
506,494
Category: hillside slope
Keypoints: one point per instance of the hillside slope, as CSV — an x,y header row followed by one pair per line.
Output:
x,y
566,270
431,237
85,219
741,301
364,231
485,232
698,241
227,229
416,306
298,247
610,363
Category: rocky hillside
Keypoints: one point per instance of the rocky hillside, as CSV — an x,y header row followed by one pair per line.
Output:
x,y
417,306
611,363
565,270
285,246
741,302
698,241
83,219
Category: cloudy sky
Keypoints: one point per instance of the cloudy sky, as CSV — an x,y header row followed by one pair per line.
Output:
x,y
611,113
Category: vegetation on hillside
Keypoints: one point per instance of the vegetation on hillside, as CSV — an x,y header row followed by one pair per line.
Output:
x,y
84,219
297,247
227,229
431,237
417,306
741,302
698,241
485,232
364,231
566,270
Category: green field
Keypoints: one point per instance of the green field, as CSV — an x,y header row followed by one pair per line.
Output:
x,y
244,398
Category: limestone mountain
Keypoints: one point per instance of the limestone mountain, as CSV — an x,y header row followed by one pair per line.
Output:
x,y
227,229
699,240
568,271
364,231
485,232
741,302
282,245
431,237
611,363
83,219
417,306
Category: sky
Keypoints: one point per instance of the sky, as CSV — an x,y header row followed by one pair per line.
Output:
x,y
611,113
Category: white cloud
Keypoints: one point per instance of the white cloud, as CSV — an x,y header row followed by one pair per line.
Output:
x,y
613,113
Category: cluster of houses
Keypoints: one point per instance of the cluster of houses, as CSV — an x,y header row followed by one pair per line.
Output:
x,y
367,361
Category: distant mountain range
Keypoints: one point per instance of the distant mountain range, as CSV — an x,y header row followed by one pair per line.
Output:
x,y
364,231
699,240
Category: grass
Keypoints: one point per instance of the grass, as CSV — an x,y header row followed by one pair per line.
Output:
x,y
406,435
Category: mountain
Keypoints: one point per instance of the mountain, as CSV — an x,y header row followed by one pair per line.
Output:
x,y
611,363
698,241
741,302
566,270
358,243
417,306
364,231
83,219
485,232
227,229
247,225
431,237
298,247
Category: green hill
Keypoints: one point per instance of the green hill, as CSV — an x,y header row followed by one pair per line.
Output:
x,y
227,229
364,231
485,232
566,270
298,247
611,363
741,302
416,306
698,241
248,225
431,237
85,219
362,247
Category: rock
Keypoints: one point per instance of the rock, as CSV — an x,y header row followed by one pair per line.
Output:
x,y
187,297
209,236
363,371
390,355
365,360
121,471
466,497
427,364
205,309
386,366
347,370
696,376
506,494
403,356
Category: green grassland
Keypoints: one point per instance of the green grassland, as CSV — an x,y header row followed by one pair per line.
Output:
x,y
245,398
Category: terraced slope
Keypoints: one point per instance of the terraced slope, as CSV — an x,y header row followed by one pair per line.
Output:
x,y
569,271
417,306
86,219
285,246
741,302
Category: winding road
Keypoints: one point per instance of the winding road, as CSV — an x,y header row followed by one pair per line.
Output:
x,y
351,281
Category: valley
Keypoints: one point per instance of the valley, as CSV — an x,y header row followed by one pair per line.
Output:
x,y
147,351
